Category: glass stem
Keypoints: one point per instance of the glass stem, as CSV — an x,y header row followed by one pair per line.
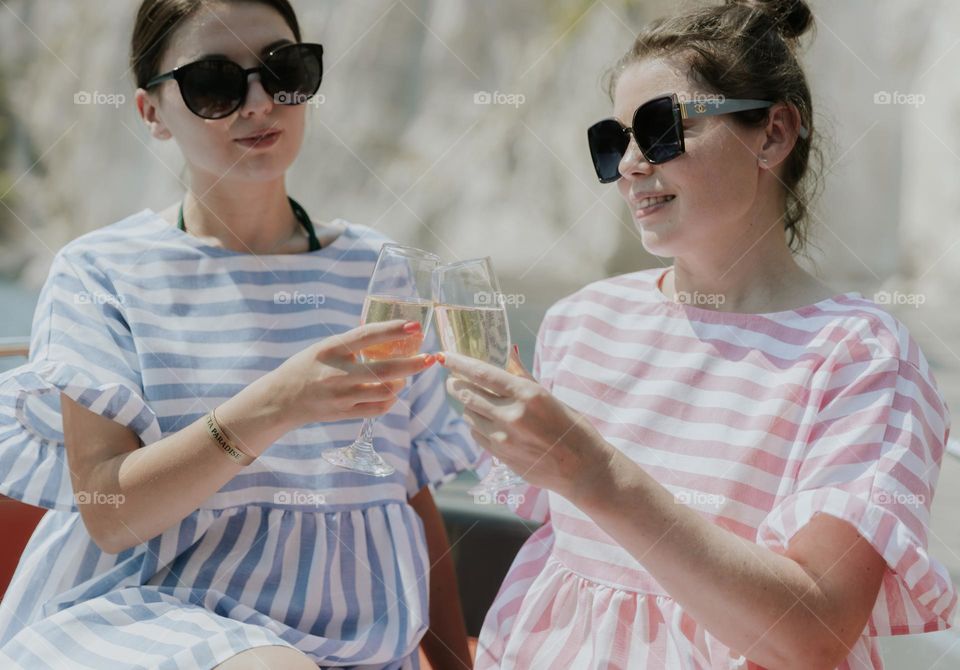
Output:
x,y
364,442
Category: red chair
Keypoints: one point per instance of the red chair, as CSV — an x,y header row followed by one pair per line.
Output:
x,y
17,521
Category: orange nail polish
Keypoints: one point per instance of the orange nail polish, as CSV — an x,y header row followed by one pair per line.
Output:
x,y
411,327
429,359
442,359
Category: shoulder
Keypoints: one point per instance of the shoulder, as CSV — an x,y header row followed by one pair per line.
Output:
x,y
860,329
613,294
363,239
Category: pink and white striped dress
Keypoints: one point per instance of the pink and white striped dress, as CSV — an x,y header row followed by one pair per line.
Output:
x,y
757,421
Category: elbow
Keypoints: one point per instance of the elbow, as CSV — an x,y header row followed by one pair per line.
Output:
x,y
106,531
822,652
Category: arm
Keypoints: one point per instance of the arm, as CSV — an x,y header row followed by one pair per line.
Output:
x,y
446,641
803,609
138,493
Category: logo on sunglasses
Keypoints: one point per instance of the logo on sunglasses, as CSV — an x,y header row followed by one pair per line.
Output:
x,y
499,98
297,98
98,98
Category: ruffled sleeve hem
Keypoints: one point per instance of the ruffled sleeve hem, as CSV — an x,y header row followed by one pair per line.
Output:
x,y
33,462
437,459
916,596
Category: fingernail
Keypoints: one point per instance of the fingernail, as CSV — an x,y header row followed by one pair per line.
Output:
x,y
516,350
429,359
411,327
442,359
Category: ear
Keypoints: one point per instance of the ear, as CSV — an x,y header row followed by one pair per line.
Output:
x,y
781,132
148,108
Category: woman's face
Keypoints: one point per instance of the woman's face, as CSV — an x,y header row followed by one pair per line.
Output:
x,y
242,32
714,183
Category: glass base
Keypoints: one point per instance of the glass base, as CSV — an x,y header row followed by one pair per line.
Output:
x,y
359,457
500,478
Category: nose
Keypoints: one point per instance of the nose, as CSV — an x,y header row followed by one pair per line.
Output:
x,y
258,101
633,164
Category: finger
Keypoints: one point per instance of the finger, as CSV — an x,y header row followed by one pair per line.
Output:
x,y
475,398
370,410
395,368
370,334
515,365
377,392
479,372
489,429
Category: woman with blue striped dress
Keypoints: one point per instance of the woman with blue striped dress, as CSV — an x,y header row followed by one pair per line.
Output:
x,y
161,549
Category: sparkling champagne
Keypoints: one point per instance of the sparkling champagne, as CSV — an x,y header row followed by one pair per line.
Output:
x,y
478,332
380,308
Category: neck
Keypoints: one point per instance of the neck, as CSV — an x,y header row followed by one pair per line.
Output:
x,y
754,274
252,217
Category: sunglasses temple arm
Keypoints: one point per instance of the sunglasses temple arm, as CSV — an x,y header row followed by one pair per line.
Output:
x,y
711,108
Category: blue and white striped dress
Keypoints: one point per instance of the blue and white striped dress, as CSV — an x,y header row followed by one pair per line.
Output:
x,y
147,325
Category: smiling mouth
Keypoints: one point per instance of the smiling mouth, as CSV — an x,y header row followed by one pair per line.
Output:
x,y
650,202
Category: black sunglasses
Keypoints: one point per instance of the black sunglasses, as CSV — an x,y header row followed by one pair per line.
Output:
x,y
213,88
658,130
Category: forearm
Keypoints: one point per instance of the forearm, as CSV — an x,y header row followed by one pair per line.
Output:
x,y
159,485
759,603
446,640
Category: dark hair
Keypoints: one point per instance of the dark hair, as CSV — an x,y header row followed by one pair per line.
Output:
x,y
157,19
745,49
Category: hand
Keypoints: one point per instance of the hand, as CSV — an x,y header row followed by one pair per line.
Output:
x,y
521,423
327,381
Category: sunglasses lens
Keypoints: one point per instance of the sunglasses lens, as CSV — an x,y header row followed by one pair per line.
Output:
x,y
657,130
608,142
212,89
292,74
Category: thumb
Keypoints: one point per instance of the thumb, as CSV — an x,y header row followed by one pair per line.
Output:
x,y
515,365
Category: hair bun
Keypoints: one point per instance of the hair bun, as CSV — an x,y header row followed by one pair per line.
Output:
x,y
793,17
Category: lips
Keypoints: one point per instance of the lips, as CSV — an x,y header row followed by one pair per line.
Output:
x,y
266,133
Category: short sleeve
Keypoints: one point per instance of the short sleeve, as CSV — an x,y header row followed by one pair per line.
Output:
x,y
81,345
872,459
441,445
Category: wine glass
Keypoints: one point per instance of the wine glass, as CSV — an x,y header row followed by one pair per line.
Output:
x,y
400,288
472,320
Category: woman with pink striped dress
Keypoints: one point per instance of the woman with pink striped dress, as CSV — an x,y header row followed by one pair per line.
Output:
x,y
734,464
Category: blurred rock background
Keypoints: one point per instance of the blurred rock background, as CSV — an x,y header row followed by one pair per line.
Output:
x,y
459,126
